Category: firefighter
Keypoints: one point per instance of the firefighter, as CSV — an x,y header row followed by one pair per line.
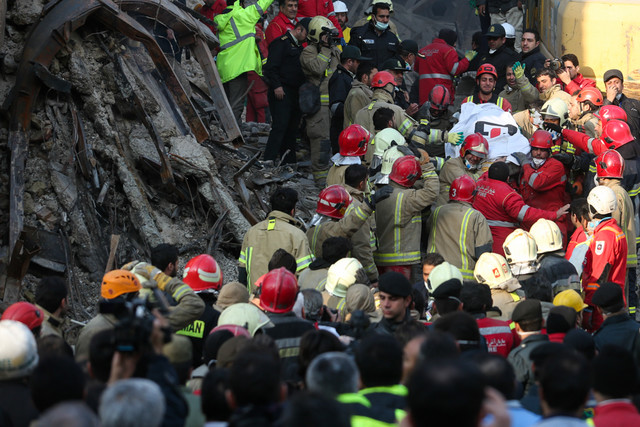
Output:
x,y
353,143
543,182
384,140
341,275
436,111
319,60
279,231
399,219
334,219
581,113
609,172
518,91
606,259
458,232
486,79
521,253
360,94
504,208
492,270
474,150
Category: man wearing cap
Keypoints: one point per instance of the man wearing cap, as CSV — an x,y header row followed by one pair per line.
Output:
x,y
397,67
339,86
446,297
528,319
509,11
439,63
283,73
374,38
408,52
614,82
618,328
395,299
284,21
499,54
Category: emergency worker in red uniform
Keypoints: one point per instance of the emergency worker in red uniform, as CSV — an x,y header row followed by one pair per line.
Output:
x,y
543,182
312,8
504,208
606,259
284,21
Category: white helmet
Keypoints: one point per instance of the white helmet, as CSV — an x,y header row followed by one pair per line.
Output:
x,y
246,315
340,7
440,274
492,269
18,352
383,139
547,235
510,32
521,252
602,200
391,155
556,108
341,275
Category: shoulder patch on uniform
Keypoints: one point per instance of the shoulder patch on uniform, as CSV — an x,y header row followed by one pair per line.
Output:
x,y
599,247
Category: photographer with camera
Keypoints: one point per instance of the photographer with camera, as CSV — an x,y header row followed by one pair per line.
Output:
x,y
568,70
122,287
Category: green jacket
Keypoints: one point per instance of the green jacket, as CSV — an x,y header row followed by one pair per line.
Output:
x,y
238,48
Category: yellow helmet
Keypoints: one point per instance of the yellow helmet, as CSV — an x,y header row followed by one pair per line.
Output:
x,y
547,235
521,252
318,26
570,298
492,269
341,275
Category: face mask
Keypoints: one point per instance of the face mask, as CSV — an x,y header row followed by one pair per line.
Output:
x,y
470,165
382,25
538,162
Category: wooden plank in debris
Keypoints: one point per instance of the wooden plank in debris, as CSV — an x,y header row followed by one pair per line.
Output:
x,y
115,240
205,59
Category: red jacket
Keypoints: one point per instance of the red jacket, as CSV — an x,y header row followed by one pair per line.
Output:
x,y
606,259
545,188
585,142
616,413
577,237
311,8
278,27
213,10
438,68
579,83
500,336
505,210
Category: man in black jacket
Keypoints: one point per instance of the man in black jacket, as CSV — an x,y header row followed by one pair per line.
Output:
x,y
614,81
339,87
499,55
374,39
532,58
283,73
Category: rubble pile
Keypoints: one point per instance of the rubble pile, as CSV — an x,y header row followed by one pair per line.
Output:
x,y
115,160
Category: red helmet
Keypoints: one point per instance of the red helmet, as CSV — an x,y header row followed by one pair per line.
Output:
x,y
462,189
610,112
439,98
541,139
610,164
616,133
279,291
475,144
25,313
202,273
237,331
487,69
590,94
405,171
333,201
383,78
354,140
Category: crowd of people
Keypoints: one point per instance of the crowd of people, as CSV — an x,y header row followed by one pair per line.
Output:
x,y
441,281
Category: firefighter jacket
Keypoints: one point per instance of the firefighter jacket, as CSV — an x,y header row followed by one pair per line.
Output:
x,y
336,174
506,296
545,188
198,331
452,169
556,91
560,273
363,240
279,230
625,218
460,234
347,226
579,83
359,97
399,221
439,67
495,99
51,324
311,8
586,123
238,48
521,95
314,277
500,335
606,259
505,210
318,64
286,333
381,98
379,46
278,27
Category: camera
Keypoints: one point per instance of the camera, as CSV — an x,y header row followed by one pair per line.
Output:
x,y
556,64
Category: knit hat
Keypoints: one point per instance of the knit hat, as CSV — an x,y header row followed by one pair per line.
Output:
x,y
232,293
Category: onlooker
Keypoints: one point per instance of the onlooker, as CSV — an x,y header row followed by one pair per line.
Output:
x,y
395,298
531,56
132,402
51,297
614,82
57,379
